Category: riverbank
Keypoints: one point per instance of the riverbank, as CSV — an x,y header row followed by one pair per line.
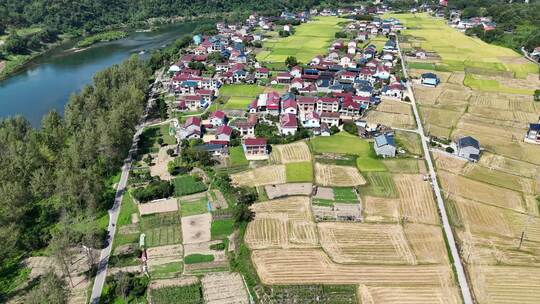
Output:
x,y
100,37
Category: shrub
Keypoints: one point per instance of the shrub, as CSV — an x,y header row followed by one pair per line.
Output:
x,y
154,190
218,246
449,149
351,128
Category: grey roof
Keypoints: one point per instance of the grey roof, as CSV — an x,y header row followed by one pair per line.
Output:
x,y
468,142
384,139
429,75
534,127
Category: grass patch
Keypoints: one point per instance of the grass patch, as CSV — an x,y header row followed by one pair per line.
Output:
x,y
490,85
101,37
237,157
187,184
167,270
368,164
238,103
341,143
299,172
338,159
407,165
245,90
148,142
344,194
409,141
188,208
198,258
379,184
421,65
222,228
127,208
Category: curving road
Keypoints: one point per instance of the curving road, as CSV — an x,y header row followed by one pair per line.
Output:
x,y
461,277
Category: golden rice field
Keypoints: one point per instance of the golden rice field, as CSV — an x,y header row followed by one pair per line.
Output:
x,y
291,153
340,176
267,175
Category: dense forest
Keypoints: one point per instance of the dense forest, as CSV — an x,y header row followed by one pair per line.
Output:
x,y
59,177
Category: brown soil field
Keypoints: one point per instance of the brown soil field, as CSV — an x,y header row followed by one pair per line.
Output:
x,y
482,192
355,243
160,164
313,266
182,281
159,206
164,254
196,228
224,288
504,284
341,176
408,295
325,193
292,208
416,197
267,175
291,153
275,191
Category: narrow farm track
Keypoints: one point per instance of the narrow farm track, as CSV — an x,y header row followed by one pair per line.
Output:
x,y
460,272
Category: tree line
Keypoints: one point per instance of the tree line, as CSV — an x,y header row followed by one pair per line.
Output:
x,y
55,181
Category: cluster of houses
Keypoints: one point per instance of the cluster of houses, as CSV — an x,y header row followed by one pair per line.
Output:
x,y
331,90
533,133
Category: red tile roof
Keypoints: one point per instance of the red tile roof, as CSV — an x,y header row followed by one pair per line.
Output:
x,y
288,121
289,103
224,130
218,114
255,141
193,120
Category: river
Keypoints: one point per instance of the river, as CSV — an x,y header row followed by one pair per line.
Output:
x,y
46,83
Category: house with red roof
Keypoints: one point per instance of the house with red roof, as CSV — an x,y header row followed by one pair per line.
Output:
x,y
289,106
288,124
262,73
393,90
296,72
217,118
223,133
192,102
297,83
306,104
284,77
350,108
246,128
191,128
255,148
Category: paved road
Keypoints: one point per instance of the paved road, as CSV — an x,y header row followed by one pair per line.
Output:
x,y
99,280
462,278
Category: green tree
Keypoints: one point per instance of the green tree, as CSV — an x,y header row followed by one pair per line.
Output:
x,y
15,44
291,61
537,95
51,289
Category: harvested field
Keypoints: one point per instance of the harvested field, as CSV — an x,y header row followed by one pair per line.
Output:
x,y
224,288
164,254
182,281
427,243
356,243
504,284
501,179
291,153
508,165
341,176
267,175
324,193
446,162
196,228
379,209
416,196
285,223
408,295
275,191
478,191
158,206
380,184
313,266
409,165
409,141
396,120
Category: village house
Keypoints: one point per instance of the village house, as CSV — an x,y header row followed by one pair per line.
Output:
x,y
217,118
246,128
255,148
262,73
385,146
311,120
191,102
330,118
327,104
469,148
223,133
393,90
306,104
429,80
215,149
288,124
533,133
284,78
191,128
289,106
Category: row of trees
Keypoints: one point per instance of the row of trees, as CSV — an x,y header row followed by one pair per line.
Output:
x,y
55,181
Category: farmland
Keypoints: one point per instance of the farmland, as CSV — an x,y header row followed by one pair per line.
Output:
x,y
238,97
485,92
299,172
309,40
